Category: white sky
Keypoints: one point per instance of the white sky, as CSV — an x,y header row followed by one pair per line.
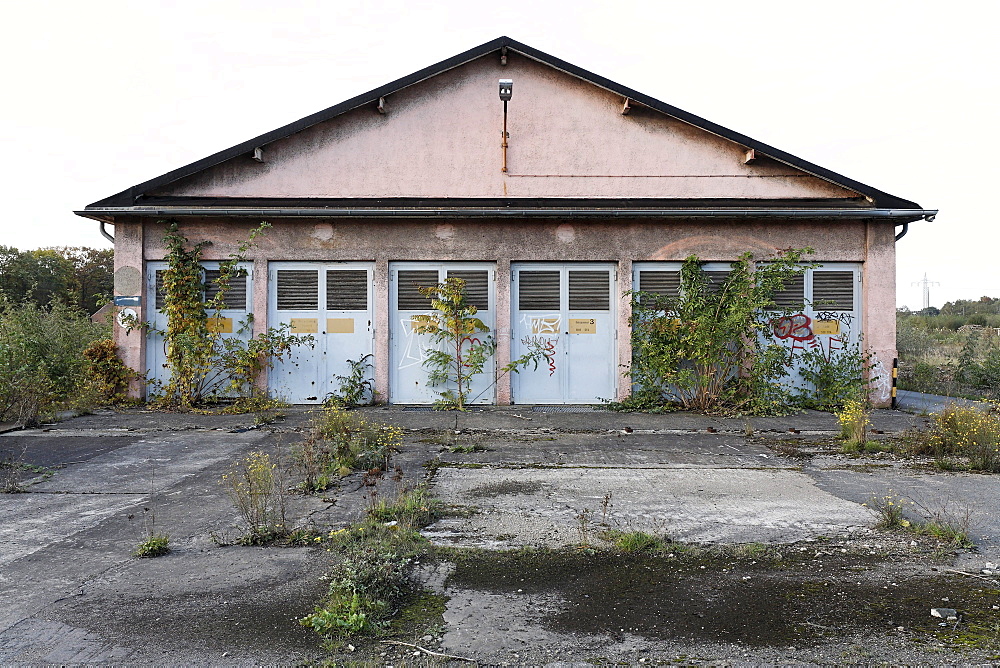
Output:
x,y
102,95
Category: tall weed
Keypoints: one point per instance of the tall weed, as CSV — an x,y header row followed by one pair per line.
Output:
x,y
255,487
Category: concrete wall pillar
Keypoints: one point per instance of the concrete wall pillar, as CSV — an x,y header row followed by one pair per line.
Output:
x,y
260,283
380,294
502,333
129,281
624,331
878,306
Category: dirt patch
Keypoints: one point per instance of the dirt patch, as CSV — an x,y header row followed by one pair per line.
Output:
x,y
504,488
797,601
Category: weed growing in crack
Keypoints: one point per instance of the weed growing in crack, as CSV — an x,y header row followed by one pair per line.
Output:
x,y
584,523
339,442
605,507
888,511
154,546
12,468
949,528
854,424
633,541
963,433
254,485
375,578
356,388
412,507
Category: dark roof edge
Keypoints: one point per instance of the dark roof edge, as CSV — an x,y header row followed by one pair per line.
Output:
x,y
898,216
488,202
128,197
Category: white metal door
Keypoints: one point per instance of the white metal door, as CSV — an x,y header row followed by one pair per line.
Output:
x,y
332,302
408,378
822,314
568,311
233,320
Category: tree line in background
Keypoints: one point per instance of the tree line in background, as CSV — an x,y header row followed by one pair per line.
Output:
x,y
76,276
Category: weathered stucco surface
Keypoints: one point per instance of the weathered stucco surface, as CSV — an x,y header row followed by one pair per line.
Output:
x,y
568,138
506,241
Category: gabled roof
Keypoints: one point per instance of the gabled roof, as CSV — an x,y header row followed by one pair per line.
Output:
x,y
135,196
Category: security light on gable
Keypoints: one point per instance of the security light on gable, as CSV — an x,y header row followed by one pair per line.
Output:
x,y
506,86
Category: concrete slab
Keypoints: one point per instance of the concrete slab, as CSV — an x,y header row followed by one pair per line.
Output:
x,y
555,507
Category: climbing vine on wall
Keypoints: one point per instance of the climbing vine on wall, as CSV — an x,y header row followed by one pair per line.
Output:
x,y
204,364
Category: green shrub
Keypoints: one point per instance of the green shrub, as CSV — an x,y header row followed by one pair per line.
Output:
x,y
709,348
838,377
339,442
42,367
107,376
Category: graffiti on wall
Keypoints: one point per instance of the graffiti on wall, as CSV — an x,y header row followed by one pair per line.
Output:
x,y
540,326
828,332
547,346
414,350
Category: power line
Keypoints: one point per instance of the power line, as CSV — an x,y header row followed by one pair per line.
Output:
x,y
927,289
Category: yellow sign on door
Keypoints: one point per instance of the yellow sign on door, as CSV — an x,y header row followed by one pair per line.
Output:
x,y
340,325
826,327
582,326
220,325
304,325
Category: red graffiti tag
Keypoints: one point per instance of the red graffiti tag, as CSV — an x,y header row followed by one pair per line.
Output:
x,y
797,327
472,342
550,355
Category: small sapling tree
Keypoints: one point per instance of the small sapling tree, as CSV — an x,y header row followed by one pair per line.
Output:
x,y
454,326
462,353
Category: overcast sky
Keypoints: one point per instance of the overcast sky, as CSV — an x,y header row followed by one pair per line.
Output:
x,y
901,96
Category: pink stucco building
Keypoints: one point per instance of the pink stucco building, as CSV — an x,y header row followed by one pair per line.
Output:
x,y
599,190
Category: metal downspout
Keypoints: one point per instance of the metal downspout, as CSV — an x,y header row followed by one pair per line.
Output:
x,y
902,232
104,233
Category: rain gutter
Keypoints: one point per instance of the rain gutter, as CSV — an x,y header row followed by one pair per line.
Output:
x,y
904,216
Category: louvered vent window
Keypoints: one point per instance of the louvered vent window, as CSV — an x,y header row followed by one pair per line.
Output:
x,y
538,291
236,296
407,296
665,283
833,290
589,291
298,290
477,287
161,294
714,281
347,290
792,296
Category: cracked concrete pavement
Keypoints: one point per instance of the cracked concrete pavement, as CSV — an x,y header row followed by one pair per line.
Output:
x,y
74,594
